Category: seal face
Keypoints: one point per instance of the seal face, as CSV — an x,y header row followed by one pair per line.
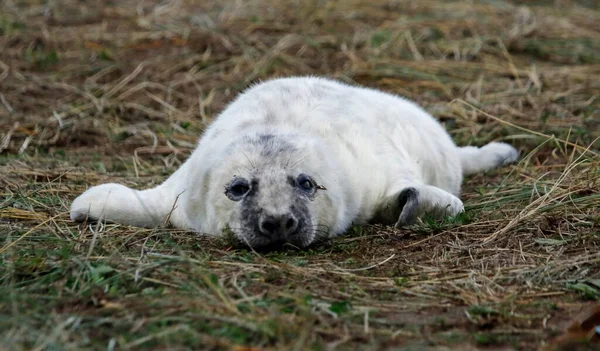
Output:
x,y
294,160
287,224
270,194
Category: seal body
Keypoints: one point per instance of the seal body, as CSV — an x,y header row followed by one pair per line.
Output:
x,y
296,159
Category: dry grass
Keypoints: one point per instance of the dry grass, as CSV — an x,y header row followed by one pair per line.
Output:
x,y
119,91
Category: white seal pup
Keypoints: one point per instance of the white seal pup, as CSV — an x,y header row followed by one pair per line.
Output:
x,y
294,159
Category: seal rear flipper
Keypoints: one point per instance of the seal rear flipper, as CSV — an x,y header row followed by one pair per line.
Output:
x,y
480,159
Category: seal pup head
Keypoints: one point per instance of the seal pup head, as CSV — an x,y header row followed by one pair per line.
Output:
x,y
269,189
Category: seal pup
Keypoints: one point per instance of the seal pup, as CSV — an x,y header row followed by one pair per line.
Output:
x,y
294,159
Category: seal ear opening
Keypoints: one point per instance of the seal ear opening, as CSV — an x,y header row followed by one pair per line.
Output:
x,y
408,202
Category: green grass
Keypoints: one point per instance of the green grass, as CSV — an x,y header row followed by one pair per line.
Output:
x,y
120,92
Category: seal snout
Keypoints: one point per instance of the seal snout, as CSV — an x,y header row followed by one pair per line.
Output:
x,y
278,226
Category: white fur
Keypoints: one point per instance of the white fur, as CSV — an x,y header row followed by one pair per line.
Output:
x,y
363,145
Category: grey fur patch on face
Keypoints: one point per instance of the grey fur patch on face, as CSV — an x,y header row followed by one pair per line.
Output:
x,y
291,225
269,145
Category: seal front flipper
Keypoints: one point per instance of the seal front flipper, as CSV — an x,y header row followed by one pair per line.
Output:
x,y
408,202
119,204
416,202
148,208
406,206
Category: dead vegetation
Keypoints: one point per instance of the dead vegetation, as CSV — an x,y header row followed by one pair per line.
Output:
x,y
120,91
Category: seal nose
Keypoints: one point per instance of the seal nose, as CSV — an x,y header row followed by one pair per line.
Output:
x,y
281,225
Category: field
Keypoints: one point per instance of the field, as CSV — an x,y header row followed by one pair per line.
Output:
x,y
92,92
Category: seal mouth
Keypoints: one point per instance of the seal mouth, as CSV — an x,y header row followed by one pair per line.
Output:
x,y
258,227
255,240
298,239
306,237
278,245
302,242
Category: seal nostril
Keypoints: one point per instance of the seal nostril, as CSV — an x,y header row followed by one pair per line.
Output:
x,y
268,226
290,223
282,225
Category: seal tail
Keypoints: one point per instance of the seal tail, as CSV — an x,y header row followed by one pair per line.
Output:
x,y
480,159
117,203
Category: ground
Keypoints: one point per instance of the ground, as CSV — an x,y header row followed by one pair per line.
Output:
x,y
120,91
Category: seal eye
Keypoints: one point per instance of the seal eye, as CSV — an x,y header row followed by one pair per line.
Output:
x,y
305,183
237,189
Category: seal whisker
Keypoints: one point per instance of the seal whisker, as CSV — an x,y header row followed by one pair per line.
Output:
x,y
298,161
288,160
248,158
243,165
